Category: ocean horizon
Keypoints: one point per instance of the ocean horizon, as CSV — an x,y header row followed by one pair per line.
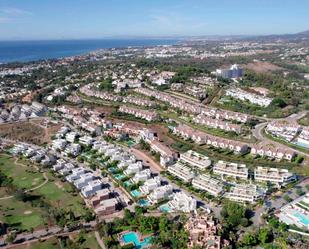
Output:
x,y
25,51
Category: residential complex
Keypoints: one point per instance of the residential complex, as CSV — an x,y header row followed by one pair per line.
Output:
x,y
195,160
231,169
253,98
208,184
233,72
273,175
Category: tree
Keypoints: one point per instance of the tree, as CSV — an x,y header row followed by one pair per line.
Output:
x,y
232,213
265,235
249,239
278,102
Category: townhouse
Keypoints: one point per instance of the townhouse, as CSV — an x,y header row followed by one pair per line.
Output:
x,y
283,129
133,168
231,169
208,184
274,175
195,159
138,101
181,171
83,180
202,119
199,137
245,193
140,113
272,151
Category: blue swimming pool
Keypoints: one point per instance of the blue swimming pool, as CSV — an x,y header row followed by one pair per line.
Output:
x,y
304,219
119,176
143,203
136,193
127,183
165,208
132,237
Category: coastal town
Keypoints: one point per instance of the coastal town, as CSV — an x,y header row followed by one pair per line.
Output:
x,y
193,145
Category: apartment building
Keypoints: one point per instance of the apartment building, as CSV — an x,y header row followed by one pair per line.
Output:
x,y
253,98
233,72
181,171
195,159
231,169
208,184
245,193
274,175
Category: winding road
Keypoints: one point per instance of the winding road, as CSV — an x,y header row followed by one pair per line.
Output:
x,y
258,132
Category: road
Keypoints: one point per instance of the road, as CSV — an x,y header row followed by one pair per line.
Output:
x,y
258,133
279,201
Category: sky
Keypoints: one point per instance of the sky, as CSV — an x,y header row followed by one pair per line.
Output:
x,y
87,19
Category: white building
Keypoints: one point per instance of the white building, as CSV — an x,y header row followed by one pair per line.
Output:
x,y
133,168
274,175
208,184
233,72
142,176
245,193
92,188
182,203
195,159
150,185
181,171
231,169
160,193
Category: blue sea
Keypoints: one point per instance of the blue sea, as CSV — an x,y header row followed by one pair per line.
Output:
x,y
23,51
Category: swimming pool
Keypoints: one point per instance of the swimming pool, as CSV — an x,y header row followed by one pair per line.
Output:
x,y
143,202
302,218
165,208
127,183
136,193
112,170
119,176
132,237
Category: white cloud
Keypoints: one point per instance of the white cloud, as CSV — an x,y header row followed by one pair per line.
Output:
x,y
4,20
14,11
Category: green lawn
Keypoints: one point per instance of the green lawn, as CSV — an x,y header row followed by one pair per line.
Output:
x,y
23,176
304,120
20,215
51,243
58,194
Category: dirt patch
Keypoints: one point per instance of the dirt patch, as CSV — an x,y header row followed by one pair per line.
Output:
x,y
262,67
59,184
29,131
28,212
